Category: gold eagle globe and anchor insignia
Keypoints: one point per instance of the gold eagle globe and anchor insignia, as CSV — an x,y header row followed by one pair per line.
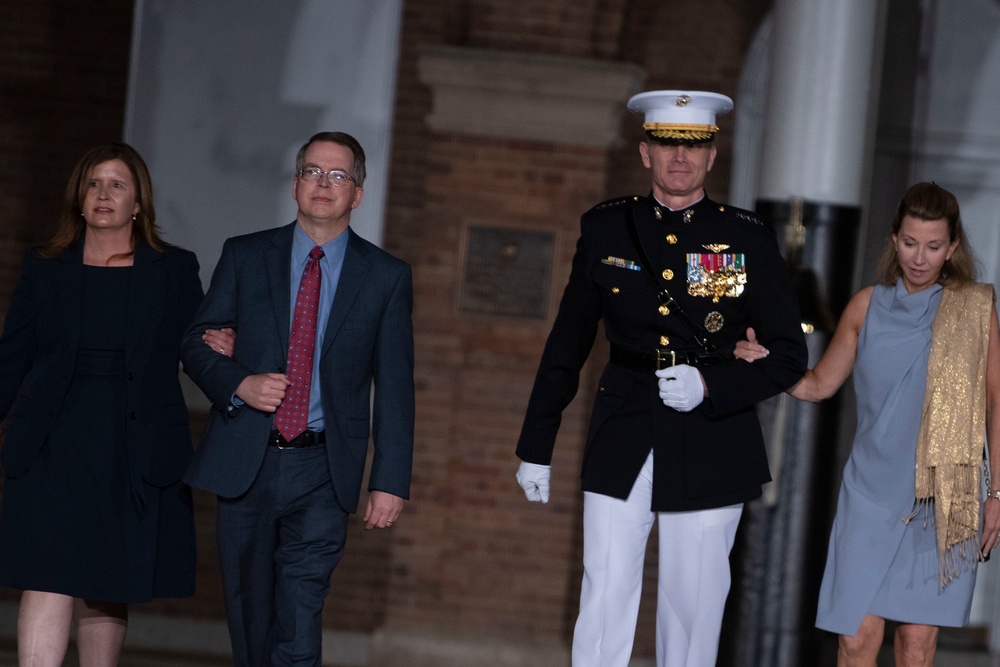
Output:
x,y
714,321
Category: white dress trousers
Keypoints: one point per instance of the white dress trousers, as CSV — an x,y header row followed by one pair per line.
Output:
x,y
693,577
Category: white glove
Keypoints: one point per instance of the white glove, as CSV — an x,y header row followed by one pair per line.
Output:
x,y
681,387
534,479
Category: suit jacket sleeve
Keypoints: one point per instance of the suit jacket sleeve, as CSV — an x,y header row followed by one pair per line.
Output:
x,y
566,350
774,315
19,343
216,374
393,409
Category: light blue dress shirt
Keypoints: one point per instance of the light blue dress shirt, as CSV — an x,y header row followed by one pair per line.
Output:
x,y
330,264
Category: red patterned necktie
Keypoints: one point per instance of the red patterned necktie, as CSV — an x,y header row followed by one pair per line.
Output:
x,y
292,415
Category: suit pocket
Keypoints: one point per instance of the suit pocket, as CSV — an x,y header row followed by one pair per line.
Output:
x,y
622,290
164,448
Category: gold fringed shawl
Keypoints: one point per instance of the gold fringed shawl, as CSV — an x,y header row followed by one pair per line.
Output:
x,y
953,424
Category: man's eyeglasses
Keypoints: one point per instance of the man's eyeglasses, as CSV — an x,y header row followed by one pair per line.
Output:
x,y
337,177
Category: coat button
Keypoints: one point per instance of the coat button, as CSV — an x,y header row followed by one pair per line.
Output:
x,y
615,290
671,239
664,341
664,310
668,274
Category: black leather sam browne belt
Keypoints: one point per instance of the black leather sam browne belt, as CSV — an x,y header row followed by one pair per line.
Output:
x,y
655,360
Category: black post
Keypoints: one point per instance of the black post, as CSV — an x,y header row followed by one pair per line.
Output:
x,y
781,550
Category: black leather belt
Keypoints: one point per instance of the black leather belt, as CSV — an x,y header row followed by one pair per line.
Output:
x,y
301,441
656,360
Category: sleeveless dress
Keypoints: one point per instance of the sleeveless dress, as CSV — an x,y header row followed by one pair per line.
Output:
x,y
877,564
81,521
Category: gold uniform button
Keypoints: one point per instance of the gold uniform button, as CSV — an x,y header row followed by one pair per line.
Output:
x,y
671,239
668,274
664,310
615,290
664,341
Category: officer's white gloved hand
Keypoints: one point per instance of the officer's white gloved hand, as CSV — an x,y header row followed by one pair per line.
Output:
x,y
534,479
681,387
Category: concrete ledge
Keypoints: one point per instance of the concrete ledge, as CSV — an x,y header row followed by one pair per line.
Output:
x,y
206,637
392,648
575,101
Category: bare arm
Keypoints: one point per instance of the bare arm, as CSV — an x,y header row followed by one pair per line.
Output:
x,y
824,379
991,511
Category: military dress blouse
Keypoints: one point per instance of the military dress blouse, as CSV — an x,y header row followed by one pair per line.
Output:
x,y
722,267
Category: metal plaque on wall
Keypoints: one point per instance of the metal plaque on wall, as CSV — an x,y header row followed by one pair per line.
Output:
x,y
506,271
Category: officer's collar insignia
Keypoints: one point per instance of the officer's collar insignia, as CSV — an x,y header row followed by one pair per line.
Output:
x,y
716,247
688,214
657,213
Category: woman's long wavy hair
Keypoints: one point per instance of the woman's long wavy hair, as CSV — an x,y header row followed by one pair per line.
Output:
x,y
929,201
72,227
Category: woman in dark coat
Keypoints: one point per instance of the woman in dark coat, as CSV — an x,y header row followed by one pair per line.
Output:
x,y
94,516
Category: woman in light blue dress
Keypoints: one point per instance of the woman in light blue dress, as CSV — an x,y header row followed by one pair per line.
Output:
x,y
883,560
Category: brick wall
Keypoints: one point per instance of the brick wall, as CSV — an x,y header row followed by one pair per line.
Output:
x,y
63,68
470,556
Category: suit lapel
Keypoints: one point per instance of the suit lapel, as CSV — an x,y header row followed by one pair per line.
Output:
x,y
352,277
145,296
278,263
70,291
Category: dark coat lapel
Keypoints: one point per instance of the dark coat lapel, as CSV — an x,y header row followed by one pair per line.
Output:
x,y
278,261
352,277
68,285
146,294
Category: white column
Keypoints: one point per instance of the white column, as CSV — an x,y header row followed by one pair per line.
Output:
x,y
821,98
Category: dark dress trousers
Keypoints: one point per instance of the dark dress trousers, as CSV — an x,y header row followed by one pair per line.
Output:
x,y
133,511
722,266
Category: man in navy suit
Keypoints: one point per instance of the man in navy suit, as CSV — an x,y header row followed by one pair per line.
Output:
x,y
284,500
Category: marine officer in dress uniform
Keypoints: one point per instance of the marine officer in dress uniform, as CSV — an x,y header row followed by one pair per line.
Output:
x,y
676,279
